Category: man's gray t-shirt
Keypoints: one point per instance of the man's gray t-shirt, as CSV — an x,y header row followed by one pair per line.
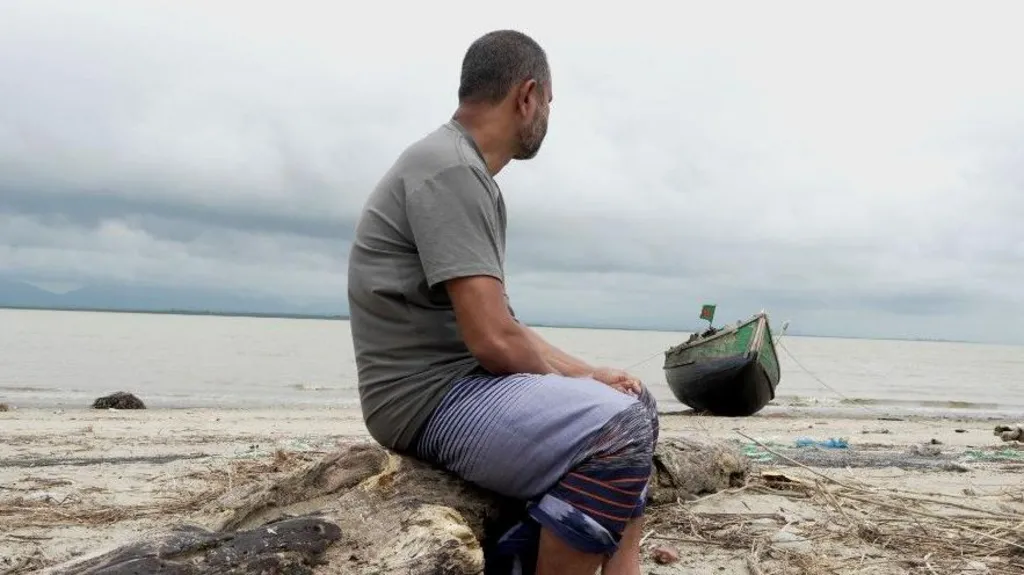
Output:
x,y
436,215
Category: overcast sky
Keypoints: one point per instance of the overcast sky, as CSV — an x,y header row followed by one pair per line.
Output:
x,y
857,171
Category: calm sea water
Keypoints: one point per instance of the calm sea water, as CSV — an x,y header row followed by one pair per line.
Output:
x,y
66,359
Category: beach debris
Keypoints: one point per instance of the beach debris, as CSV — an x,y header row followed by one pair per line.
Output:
x,y
960,431
778,480
855,519
364,509
1007,433
687,468
665,555
880,431
927,449
831,443
976,567
61,461
925,456
4,407
754,452
118,400
1011,455
789,541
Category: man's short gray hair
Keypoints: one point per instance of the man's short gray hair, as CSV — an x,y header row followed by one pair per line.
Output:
x,y
499,60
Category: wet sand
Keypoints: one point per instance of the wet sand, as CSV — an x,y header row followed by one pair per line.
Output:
x,y
73,482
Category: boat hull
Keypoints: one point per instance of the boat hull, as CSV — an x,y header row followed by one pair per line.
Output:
x,y
735,386
732,373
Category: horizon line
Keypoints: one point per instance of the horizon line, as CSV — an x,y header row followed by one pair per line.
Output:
x,y
345,317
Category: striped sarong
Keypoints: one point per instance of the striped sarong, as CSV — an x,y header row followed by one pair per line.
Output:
x,y
578,452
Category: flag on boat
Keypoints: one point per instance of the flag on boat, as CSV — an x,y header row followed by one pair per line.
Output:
x,y
708,312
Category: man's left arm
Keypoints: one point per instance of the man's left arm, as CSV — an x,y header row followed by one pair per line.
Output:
x,y
570,366
566,364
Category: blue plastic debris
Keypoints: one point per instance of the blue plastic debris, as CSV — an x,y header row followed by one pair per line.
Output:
x,y
832,443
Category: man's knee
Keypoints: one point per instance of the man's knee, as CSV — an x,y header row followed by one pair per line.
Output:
x,y
651,408
646,398
633,432
594,503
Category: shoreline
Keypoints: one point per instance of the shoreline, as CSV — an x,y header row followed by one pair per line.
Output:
x,y
802,408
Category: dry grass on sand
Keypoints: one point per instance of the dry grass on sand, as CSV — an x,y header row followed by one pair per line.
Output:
x,y
802,521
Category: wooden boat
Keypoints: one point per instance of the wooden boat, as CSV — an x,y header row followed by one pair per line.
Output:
x,y
731,371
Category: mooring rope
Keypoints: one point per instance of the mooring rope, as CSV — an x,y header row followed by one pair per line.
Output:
x,y
642,361
810,373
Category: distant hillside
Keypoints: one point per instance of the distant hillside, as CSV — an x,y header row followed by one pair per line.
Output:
x,y
137,298
19,293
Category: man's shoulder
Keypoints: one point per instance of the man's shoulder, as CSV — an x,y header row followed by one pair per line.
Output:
x,y
444,150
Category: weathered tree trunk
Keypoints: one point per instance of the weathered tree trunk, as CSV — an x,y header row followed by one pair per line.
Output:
x,y
364,510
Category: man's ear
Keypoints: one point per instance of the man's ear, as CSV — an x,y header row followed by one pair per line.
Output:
x,y
523,96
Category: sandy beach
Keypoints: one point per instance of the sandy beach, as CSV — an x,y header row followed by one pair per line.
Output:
x,y
901,495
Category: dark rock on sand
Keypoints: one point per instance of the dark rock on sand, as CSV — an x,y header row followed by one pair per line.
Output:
x,y
293,546
118,400
365,510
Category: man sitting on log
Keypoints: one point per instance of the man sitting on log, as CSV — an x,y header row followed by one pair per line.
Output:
x,y
447,373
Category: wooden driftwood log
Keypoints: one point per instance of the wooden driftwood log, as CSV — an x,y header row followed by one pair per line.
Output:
x,y
1007,433
364,510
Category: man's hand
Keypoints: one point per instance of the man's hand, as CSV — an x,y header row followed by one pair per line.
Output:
x,y
619,380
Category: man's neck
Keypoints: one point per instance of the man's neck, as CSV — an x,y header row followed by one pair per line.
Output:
x,y
487,133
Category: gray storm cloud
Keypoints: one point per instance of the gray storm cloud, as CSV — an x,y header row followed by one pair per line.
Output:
x,y
855,173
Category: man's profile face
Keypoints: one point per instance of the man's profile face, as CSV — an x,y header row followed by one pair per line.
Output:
x,y
532,133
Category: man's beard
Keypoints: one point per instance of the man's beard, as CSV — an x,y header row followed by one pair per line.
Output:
x,y
531,137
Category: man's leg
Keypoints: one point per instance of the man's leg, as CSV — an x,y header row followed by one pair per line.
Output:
x,y
577,449
626,560
556,557
597,508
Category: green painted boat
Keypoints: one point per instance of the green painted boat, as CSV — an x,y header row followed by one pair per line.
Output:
x,y
732,371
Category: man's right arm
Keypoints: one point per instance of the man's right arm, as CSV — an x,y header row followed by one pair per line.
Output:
x,y
453,219
499,343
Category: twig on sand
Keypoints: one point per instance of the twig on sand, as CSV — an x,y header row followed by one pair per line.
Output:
x,y
16,537
81,461
716,494
752,565
680,539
